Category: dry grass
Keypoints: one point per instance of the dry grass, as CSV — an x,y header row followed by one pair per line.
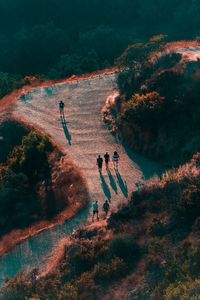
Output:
x,y
110,111
122,288
57,258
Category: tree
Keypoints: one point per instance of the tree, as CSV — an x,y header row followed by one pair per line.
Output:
x,y
32,157
137,55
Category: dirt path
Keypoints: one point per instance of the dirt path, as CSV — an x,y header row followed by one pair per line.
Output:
x,y
82,135
190,54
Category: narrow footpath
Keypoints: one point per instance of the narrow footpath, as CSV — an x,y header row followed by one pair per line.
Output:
x,y
82,136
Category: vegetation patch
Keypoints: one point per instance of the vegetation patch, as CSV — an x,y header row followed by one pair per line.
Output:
x,y
158,229
36,182
159,93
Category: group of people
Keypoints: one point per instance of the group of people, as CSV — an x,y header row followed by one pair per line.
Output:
x,y
95,207
115,160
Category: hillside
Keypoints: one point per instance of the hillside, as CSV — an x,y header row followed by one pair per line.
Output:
x,y
159,105
34,194
81,137
148,250
81,81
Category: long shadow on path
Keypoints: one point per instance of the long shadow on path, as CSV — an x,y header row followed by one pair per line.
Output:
x,y
66,131
122,184
149,168
112,182
105,188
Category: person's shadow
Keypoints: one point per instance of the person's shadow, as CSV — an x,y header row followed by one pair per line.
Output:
x,y
66,131
122,184
112,181
105,188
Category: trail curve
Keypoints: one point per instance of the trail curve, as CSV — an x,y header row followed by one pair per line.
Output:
x,y
82,136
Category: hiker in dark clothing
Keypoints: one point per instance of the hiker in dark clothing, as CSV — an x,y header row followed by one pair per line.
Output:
x,y
100,163
106,207
107,159
116,160
62,106
95,207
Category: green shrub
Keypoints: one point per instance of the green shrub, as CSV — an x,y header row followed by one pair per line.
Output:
x,y
126,248
158,228
106,273
86,287
8,83
189,290
81,259
12,133
186,208
68,292
31,158
143,110
181,267
24,168
82,256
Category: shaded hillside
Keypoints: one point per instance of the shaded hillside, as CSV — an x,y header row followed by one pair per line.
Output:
x,y
32,186
25,166
159,112
150,244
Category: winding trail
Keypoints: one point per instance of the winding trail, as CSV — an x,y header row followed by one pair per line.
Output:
x,y
82,136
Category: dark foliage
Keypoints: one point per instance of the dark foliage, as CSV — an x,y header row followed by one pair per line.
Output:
x,y
159,117
11,135
35,35
24,168
8,83
126,248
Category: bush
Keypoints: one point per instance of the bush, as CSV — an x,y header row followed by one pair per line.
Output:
x,y
8,83
82,256
180,271
191,203
86,287
158,228
189,290
143,109
75,64
106,273
12,133
19,204
185,211
126,248
31,158
25,167
68,292
156,94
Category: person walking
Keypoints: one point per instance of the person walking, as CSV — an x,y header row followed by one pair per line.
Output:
x,y
107,160
106,207
61,107
95,208
100,163
116,160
